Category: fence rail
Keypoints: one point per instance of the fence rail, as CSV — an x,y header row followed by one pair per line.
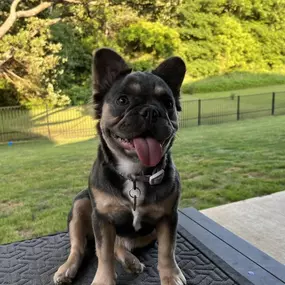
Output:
x,y
18,123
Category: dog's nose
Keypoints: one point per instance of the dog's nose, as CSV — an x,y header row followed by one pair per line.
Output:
x,y
150,113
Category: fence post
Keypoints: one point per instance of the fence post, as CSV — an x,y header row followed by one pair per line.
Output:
x,y
238,107
47,114
273,104
199,112
2,125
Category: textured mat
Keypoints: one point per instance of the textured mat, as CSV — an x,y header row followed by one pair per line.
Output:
x,y
33,262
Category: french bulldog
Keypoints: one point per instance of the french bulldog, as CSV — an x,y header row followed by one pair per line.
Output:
x,y
134,188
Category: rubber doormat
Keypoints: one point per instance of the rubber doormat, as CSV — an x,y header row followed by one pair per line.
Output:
x,y
33,262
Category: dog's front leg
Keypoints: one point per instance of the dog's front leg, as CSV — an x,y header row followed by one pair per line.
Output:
x,y
105,234
170,273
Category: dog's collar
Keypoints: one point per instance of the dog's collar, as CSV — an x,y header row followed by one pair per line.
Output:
x,y
154,179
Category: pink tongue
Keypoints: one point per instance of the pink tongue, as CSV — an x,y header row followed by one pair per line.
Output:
x,y
148,150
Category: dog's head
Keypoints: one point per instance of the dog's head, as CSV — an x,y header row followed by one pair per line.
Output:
x,y
137,111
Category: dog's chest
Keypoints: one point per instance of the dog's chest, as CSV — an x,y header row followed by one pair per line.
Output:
x,y
134,192
136,202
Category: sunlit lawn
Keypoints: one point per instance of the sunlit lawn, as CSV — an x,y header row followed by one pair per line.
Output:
x,y
242,92
218,164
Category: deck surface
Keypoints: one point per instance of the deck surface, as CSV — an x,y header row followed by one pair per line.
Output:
x,y
260,221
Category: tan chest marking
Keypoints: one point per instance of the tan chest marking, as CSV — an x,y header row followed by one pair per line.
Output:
x,y
108,204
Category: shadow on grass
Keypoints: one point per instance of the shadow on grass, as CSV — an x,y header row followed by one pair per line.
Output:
x,y
18,123
18,136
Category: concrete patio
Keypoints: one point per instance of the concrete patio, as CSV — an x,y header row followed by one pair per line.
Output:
x,y
260,221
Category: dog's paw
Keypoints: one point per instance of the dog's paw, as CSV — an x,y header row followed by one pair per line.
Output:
x,y
134,267
172,277
132,264
65,274
104,278
103,282
96,283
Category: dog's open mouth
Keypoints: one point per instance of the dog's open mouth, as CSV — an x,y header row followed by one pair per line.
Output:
x,y
148,149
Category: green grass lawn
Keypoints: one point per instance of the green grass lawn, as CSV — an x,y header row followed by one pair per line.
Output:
x,y
218,164
232,81
242,92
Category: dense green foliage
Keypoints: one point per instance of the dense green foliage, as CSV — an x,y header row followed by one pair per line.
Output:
x,y
221,36
47,58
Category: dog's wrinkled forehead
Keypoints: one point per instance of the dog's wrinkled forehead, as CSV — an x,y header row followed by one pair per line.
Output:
x,y
144,83
111,73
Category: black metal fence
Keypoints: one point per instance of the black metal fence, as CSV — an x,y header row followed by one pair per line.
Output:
x,y
232,108
18,123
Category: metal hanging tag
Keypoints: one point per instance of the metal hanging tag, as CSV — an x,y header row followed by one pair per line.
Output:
x,y
134,194
135,203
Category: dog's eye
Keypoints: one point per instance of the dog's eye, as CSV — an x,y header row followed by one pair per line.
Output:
x,y
123,100
169,104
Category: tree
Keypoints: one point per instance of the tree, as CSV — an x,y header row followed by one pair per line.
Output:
x,y
28,57
38,8
46,45
163,11
145,43
31,64
225,35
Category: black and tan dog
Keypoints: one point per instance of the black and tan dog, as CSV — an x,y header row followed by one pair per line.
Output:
x,y
134,187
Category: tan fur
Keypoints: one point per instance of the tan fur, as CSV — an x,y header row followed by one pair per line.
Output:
x,y
129,261
107,116
165,245
139,242
123,248
169,272
108,204
79,227
81,221
105,252
160,209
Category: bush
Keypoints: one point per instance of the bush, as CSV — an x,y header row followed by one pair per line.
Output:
x,y
79,95
8,94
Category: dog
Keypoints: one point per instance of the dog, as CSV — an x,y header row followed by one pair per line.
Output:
x,y
134,188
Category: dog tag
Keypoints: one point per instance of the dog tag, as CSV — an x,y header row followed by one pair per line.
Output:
x,y
156,178
135,203
135,193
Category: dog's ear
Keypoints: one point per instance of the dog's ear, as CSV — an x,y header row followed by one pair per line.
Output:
x,y
107,66
172,71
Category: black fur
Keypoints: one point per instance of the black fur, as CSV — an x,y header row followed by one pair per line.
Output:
x,y
108,66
